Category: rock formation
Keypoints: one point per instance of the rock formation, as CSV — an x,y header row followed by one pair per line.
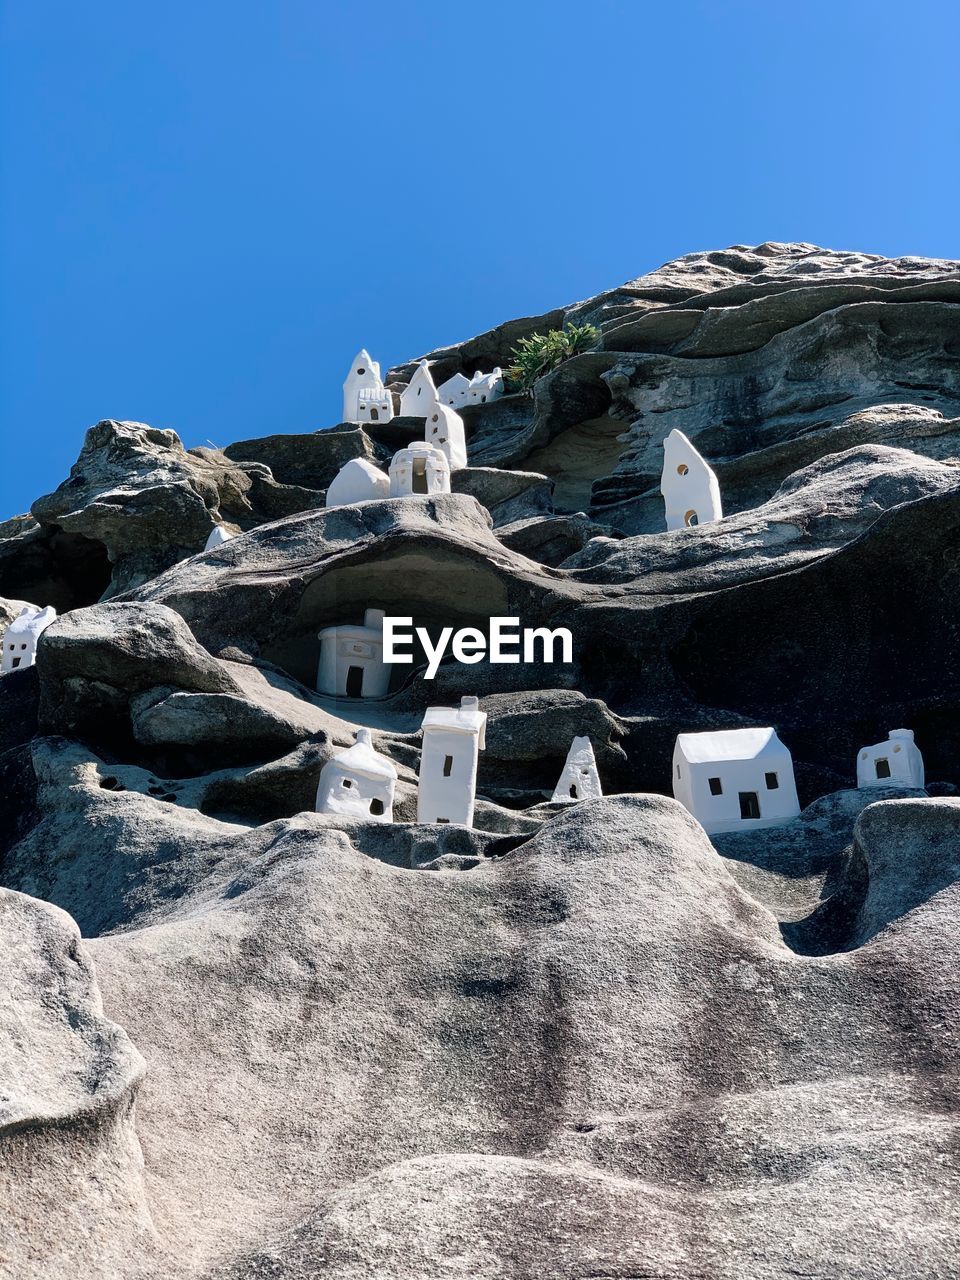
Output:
x,y
244,1039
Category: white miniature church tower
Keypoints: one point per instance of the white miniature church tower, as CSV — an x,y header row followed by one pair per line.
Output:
x,y
896,762
419,469
358,783
735,779
351,659
21,637
365,398
357,481
580,779
452,739
691,492
444,430
416,399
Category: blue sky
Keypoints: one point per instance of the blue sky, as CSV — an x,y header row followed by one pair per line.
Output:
x,y
206,208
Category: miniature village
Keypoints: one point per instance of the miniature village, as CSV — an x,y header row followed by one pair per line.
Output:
x,y
727,779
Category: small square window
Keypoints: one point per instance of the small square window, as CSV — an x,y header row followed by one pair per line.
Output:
x,y
772,781
716,786
883,767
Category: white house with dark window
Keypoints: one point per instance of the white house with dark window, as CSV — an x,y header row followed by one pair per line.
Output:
x,y
735,779
580,779
484,387
419,469
21,638
351,659
365,398
444,430
416,399
358,783
691,491
896,762
453,737
455,391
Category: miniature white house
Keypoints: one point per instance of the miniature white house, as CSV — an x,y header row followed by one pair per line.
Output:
x,y
444,430
452,739
735,779
365,398
358,783
416,399
21,637
419,469
580,779
691,492
896,762
357,481
351,659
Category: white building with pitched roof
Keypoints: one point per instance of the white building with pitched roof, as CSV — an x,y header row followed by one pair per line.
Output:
x,y
580,779
358,783
453,737
445,431
735,779
416,399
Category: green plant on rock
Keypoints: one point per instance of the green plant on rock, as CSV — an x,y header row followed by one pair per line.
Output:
x,y
540,353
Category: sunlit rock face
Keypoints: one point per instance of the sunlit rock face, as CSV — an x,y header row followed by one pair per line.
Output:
x,y
579,1037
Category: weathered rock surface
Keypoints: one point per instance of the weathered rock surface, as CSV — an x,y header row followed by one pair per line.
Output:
x,y
576,1041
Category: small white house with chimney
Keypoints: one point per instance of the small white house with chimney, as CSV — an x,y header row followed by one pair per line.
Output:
x,y
453,737
357,481
735,779
580,779
365,398
358,783
351,659
454,391
416,399
896,762
445,431
691,492
22,636
419,469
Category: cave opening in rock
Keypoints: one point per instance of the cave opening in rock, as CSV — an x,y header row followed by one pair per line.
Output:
x,y
50,567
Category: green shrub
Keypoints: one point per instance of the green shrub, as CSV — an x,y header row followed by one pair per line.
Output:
x,y
532,357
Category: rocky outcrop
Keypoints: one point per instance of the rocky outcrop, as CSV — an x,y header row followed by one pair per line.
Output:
x,y
575,1040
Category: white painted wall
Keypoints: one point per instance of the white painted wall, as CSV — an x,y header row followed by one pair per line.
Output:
x,y
357,481
741,759
580,778
358,783
351,646
452,739
416,399
364,375
445,431
420,469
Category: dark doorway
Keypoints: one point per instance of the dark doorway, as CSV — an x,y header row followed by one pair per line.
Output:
x,y
376,807
354,682
419,481
749,805
883,767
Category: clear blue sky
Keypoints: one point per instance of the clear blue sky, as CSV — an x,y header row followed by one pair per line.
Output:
x,y
207,207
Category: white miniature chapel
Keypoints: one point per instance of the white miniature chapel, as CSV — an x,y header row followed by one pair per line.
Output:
x,y
452,740
358,783
735,779
896,762
444,430
357,481
580,779
365,398
351,659
416,399
419,469
691,491
22,636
